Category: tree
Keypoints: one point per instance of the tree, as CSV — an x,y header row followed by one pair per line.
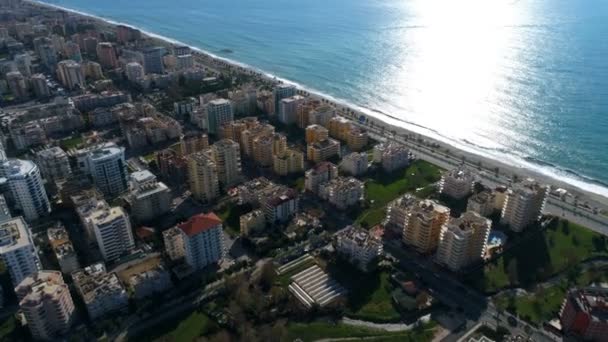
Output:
x,y
512,272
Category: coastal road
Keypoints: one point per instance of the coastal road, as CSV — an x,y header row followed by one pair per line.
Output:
x,y
554,206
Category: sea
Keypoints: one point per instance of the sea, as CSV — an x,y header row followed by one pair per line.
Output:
x,y
521,81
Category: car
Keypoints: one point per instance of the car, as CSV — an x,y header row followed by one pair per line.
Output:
x,y
512,321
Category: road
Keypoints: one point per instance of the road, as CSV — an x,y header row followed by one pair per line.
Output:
x,y
459,297
554,206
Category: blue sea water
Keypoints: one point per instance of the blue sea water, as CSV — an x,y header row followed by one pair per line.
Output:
x,y
521,81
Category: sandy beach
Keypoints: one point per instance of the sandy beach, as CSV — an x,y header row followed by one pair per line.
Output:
x,y
425,147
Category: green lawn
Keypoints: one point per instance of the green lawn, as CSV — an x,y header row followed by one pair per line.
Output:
x,y
187,327
70,143
540,255
11,330
381,189
369,294
150,157
544,304
319,330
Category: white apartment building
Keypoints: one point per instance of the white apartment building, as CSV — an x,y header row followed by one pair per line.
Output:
x,y
282,91
112,232
101,292
355,164
54,163
226,154
134,71
63,249
391,156
70,74
321,173
148,198
108,168
203,240
47,305
358,246
27,189
398,213
288,108
524,205
463,241
457,183
219,112
343,192
17,250
174,243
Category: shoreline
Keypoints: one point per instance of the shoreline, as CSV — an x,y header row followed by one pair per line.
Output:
x,y
509,164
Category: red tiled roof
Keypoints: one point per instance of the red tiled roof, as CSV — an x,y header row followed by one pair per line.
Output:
x,y
200,223
144,232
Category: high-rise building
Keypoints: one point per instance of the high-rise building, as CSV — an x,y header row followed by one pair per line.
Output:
x,y
203,177
126,34
398,213
70,74
203,240
342,192
359,246
27,189
457,183
315,133
17,85
40,86
219,112
106,54
107,167
524,205
17,250
101,292
423,225
72,51
355,163
583,314
5,213
288,108
227,157
262,150
282,91
92,70
46,303
321,173
153,60
463,241
24,64
184,62
288,162
48,56
63,249
323,150
148,198
54,163
134,71
90,45
181,50
112,232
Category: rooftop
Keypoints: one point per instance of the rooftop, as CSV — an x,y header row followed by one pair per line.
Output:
x,y
200,223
